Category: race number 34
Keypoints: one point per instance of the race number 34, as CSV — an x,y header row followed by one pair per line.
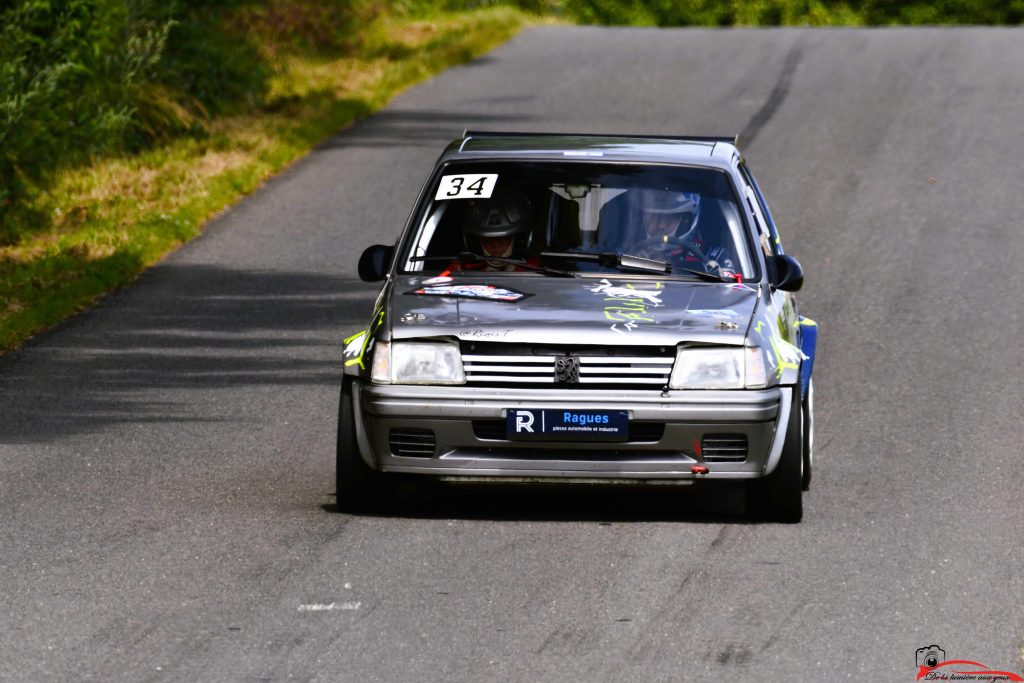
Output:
x,y
466,186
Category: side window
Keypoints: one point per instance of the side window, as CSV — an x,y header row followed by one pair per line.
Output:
x,y
756,199
764,238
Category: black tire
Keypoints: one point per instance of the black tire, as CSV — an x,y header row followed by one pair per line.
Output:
x,y
779,496
808,408
358,487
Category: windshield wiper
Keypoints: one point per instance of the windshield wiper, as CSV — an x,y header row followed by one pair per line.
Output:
x,y
464,256
702,274
627,262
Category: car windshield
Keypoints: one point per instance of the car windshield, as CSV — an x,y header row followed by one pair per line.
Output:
x,y
567,214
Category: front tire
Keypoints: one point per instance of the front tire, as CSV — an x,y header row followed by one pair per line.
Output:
x,y
778,497
358,487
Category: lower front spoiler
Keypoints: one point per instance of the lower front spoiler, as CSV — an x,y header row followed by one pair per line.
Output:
x,y
593,481
460,453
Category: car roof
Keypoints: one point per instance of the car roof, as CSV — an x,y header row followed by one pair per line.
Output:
x,y
718,151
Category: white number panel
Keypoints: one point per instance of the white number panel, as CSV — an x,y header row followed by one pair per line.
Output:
x,y
466,186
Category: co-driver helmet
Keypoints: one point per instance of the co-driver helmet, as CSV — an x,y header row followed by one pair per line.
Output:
x,y
662,202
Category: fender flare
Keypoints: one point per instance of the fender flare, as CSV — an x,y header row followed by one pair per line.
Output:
x,y
808,344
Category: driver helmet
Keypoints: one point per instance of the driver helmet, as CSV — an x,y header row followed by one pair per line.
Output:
x,y
498,226
661,204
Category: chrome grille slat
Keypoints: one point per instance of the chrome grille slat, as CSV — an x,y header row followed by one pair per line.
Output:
x,y
589,369
608,360
474,358
506,369
622,380
546,379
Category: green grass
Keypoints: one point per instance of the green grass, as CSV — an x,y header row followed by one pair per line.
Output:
x,y
95,228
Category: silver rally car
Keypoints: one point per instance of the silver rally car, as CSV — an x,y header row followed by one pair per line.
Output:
x,y
583,308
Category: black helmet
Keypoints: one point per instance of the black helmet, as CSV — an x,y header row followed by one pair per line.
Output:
x,y
504,214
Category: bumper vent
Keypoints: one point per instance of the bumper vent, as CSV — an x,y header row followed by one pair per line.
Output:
x,y
412,443
724,447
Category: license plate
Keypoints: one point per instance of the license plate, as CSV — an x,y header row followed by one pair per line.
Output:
x,y
536,424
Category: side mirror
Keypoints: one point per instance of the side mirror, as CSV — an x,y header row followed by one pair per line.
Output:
x,y
375,263
789,275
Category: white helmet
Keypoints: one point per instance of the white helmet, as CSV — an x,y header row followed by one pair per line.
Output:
x,y
671,202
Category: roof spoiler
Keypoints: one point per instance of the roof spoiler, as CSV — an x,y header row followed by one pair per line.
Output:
x,y
731,139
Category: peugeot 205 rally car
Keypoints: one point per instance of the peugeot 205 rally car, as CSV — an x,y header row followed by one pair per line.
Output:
x,y
583,308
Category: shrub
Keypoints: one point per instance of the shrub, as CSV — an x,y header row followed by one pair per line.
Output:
x,y
81,78
211,66
70,73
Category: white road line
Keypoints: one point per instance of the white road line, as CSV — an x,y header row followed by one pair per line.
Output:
x,y
319,607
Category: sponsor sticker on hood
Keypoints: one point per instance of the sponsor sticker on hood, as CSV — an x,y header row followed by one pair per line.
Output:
x,y
467,291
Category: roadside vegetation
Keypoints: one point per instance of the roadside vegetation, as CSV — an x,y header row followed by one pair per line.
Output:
x,y
126,124
783,12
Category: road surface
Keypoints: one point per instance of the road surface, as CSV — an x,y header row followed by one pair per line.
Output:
x,y
166,458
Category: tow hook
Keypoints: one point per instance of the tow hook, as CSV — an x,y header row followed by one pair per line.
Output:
x,y
699,469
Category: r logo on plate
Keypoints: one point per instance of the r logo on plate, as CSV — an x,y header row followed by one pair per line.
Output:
x,y
524,421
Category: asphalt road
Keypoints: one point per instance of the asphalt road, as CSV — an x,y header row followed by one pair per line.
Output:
x,y
166,458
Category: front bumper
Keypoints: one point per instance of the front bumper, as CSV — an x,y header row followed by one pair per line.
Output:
x,y
465,449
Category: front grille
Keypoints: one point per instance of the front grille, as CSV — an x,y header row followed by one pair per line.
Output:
x,y
724,447
518,366
638,431
412,443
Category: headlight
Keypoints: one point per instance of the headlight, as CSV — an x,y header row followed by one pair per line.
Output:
x,y
417,363
715,368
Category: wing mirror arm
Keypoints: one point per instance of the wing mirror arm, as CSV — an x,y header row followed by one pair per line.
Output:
x,y
375,263
789,274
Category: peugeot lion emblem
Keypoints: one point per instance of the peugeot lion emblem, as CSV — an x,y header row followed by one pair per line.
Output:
x,y
567,370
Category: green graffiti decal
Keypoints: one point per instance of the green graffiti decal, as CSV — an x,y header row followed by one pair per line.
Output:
x,y
356,345
784,357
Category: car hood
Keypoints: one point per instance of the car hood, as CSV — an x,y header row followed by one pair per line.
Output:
x,y
613,311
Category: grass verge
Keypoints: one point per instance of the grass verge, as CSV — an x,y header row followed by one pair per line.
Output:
x,y
96,228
